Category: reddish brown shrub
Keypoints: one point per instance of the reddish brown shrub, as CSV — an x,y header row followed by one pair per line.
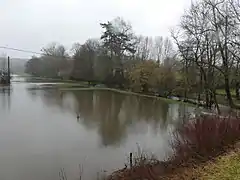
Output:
x,y
205,137
194,142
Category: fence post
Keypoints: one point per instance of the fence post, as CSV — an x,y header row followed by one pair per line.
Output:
x,y
131,158
8,64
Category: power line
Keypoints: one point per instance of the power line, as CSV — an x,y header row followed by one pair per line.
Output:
x,y
20,50
31,52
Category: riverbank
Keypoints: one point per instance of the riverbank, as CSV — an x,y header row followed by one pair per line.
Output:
x,y
65,85
190,101
119,91
82,86
204,148
223,167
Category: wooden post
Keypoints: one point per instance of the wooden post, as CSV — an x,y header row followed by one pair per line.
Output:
x,y
8,64
131,158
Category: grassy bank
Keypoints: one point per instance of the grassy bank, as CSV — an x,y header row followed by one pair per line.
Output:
x,y
191,101
203,149
83,86
192,98
221,96
222,92
70,85
224,167
65,85
118,91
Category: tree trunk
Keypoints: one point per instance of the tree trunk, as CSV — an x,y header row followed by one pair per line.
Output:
x,y
216,103
185,94
200,88
237,90
199,98
207,98
145,88
210,100
228,92
206,88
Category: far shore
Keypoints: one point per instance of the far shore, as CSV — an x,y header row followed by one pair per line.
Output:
x,y
75,86
67,85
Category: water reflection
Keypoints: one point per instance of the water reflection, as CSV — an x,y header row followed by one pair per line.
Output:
x,y
113,115
5,97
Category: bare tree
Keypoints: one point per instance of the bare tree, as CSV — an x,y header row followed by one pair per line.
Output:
x,y
197,47
158,48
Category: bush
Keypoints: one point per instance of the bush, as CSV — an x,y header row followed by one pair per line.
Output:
x,y
196,141
204,138
141,158
140,165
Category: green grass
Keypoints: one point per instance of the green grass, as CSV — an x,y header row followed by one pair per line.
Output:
x,y
222,91
224,168
179,76
221,99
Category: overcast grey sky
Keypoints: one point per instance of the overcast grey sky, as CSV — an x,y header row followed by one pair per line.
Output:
x,y
31,24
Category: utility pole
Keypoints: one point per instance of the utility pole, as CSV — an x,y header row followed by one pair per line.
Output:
x,y
8,67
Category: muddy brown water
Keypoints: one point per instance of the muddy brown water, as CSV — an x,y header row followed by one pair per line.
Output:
x,y
40,132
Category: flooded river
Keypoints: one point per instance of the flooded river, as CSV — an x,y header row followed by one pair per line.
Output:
x,y
40,132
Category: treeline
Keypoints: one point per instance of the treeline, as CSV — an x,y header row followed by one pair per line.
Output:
x,y
206,59
118,58
208,43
